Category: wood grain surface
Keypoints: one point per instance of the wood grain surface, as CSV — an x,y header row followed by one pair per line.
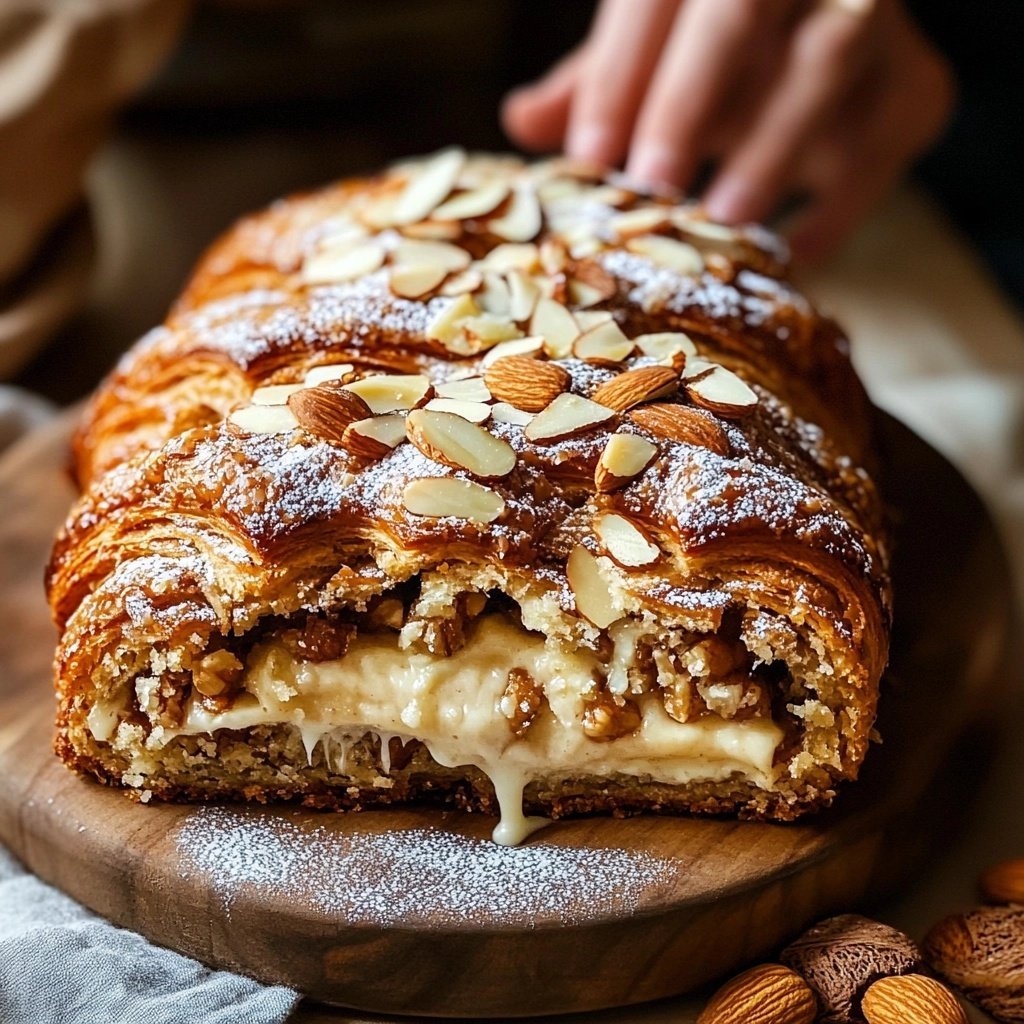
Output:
x,y
413,911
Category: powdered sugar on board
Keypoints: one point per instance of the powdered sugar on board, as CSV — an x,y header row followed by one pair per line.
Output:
x,y
416,876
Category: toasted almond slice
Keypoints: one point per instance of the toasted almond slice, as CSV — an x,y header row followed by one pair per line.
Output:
x,y
475,412
723,392
263,419
639,222
428,186
567,416
589,589
705,229
327,410
530,347
434,230
624,458
333,266
322,374
374,437
465,389
388,392
379,213
587,319
522,221
454,441
665,344
554,257
626,542
486,330
441,497
495,297
668,253
526,383
439,254
695,368
555,324
644,384
446,325
274,394
683,424
509,256
477,202
590,283
523,295
606,195
465,281
603,344
413,280
502,412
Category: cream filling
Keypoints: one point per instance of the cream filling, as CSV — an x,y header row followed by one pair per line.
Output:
x,y
454,706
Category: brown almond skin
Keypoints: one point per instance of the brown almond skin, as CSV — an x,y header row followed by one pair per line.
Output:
x,y
911,999
680,423
327,410
1003,883
527,384
594,275
634,387
767,994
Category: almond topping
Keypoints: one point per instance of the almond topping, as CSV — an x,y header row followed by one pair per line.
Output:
x,y
412,280
437,254
374,437
625,542
327,410
483,331
668,253
697,368
495,297
468,389
665,344
587,319
554,257
590,283
625,457
523,295
337,265
263,419
475,412
446,325
639,222
465,281
475,203
589,589
511,256
454,441
389,392
723,392
502,412
274,394
429,185
528,384
567,416
440,497
705,229
322,374
634,387
555,324
434,230
680,423
603,345
522,220
531,348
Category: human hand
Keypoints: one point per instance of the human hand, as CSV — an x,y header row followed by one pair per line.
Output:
x,y
826,101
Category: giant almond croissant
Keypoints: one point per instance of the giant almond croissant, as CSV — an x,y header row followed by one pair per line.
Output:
x,y
493,483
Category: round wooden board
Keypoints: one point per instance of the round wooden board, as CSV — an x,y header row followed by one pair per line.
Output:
x,y
415,911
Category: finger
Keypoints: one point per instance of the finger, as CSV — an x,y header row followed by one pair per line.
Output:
x,y
827,55
535,116
711,43
622,50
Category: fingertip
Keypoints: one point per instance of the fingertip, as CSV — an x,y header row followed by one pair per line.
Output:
x,y
592,142
730,201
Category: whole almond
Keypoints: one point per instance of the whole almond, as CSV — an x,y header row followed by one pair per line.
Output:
x,y
679,423
911,999
768,994
528,384
1003,883
635,387
453,441
327,410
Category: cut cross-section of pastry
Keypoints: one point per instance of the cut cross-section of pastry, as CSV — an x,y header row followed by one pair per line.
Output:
x,y
352,539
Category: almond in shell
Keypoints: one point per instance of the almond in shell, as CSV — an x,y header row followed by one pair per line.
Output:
x,y
767,994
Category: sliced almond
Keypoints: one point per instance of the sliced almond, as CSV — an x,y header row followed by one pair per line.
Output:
x,y
274,394
495,297
603,345
722,392
428,186
438,254
483,331
477,202
378,213
681,257
682,424
532,347
695,368
263,419
644,384
554,257
606,195
446,327
567,416
465,281
327,410
322,374
639,222
590,283
522,220
475,412
665,344
373,438
414,280
555,324
392,391
705,229
333,266
624,458
454,441
467,389
523,295
528,384
502,412
434,230
589,590
626,542
587,319
511,256
441,497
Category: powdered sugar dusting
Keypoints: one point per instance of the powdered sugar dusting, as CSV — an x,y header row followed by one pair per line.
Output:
x,y
418,876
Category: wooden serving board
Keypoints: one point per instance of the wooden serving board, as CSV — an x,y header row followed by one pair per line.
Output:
x,y
415,911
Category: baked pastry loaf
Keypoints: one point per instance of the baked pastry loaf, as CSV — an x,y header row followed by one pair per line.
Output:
x,y
481,481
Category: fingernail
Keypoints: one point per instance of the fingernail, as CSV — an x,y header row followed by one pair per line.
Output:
x,y
588,141
728,201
